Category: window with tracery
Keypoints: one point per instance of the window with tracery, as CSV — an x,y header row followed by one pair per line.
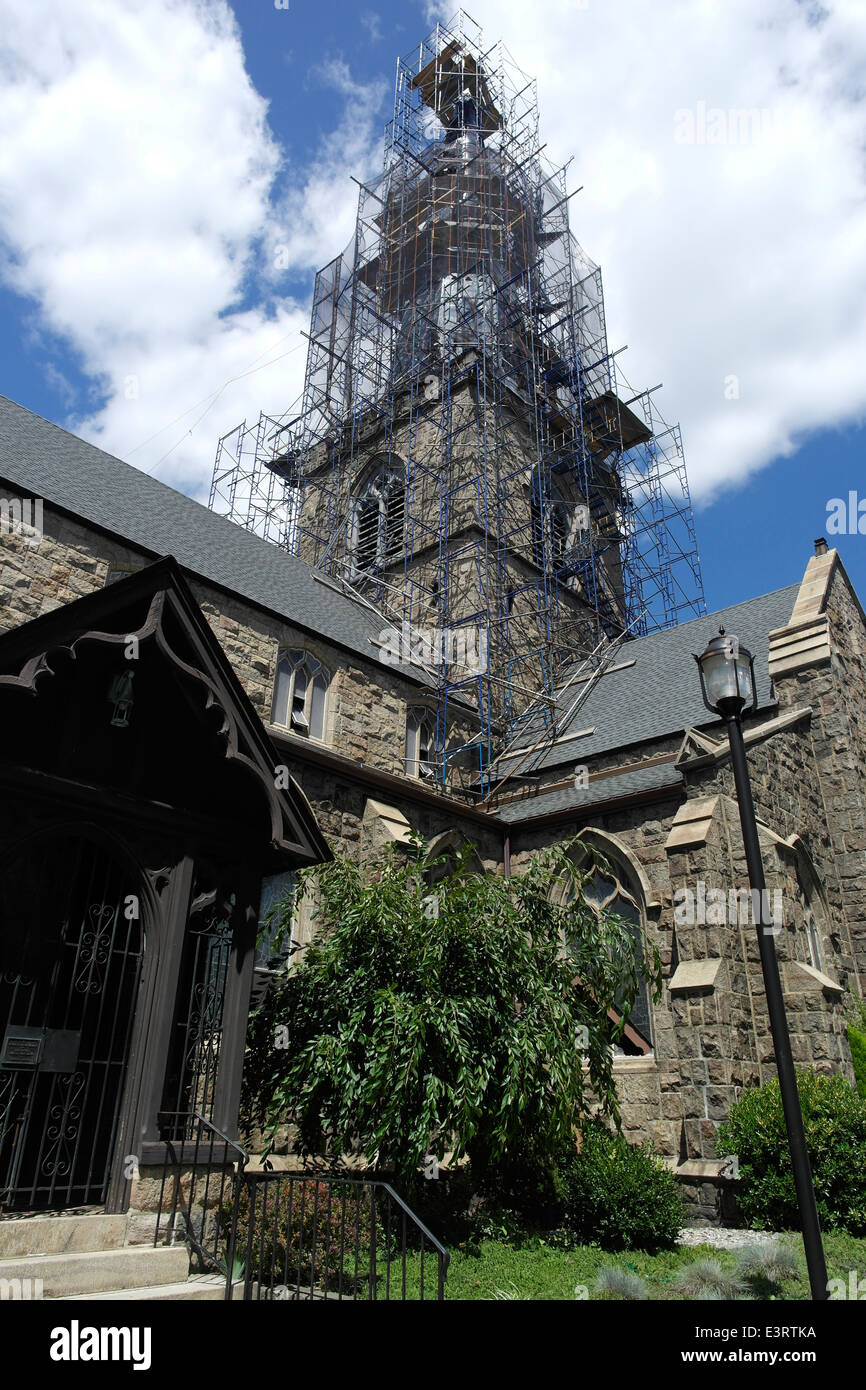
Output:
x,y
810,911
300,694
605,893
421,743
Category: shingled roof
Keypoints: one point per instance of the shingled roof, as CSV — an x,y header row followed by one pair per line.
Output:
x,y
43,460
651,689
662,780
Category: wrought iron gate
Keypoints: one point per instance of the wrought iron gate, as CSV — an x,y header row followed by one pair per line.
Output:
x,y
196,1036
70,961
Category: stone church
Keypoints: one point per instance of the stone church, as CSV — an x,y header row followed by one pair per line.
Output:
x,y
429,604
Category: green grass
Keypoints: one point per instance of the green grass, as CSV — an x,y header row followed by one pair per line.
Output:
x,y
537,1272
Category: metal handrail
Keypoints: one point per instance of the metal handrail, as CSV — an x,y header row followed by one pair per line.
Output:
x,y
230,1164
360,1222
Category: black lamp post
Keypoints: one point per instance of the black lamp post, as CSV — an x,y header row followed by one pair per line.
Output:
x,y
728,687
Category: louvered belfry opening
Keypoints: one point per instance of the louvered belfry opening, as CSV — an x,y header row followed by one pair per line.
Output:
x,y
367,543
379,518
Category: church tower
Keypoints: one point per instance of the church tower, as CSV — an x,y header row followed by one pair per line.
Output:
x,y
466,456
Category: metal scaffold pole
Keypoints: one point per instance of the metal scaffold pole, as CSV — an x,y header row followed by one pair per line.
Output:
x,y
467,454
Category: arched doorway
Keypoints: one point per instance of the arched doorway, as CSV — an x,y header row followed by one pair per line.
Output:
x,y
70,960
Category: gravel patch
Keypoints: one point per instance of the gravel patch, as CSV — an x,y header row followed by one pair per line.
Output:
x,y
724,1237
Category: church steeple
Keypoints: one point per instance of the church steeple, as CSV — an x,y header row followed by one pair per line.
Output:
x,y
467,452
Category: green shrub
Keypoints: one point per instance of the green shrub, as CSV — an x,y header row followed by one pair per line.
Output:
x,y
619,1196
705,1278
616,1283
766,1267
857,1042
834,1117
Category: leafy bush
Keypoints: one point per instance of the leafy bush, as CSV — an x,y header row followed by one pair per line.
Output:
x,y
857,1042
618,1195
421,1022
834,1117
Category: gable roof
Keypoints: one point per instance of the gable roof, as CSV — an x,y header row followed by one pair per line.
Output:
x,y
29,653
654,693
652,689
48,462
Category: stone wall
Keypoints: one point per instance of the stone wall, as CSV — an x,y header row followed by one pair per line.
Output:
x,y
710,1028
367,702
828,673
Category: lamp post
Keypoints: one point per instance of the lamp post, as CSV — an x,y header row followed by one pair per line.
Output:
x,y
727,672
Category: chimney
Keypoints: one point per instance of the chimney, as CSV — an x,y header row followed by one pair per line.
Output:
x,y
821,546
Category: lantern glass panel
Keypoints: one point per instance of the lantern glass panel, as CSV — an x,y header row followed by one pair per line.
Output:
x,y
720,675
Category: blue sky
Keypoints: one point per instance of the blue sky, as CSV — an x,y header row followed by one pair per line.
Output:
x,y
157,155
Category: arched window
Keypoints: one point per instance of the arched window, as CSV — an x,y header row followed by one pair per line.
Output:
x,y
300,694
378,519
443,854
605,893
555,523
422,753
619,890
809,909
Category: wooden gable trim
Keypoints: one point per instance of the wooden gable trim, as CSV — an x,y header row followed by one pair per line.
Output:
x,y
64,631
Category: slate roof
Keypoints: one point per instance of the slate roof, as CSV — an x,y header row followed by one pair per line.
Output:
x,y
48,462
662,777
660,693
656,696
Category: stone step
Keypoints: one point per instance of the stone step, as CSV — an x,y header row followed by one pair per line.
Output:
x,y
94,1272
199,1287
60,1235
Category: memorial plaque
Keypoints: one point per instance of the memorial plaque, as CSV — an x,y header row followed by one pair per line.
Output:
x,y
22,1048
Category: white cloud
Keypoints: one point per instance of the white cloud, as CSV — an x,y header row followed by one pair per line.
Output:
x,y
139,209
138,166
316,216
745,258
372,22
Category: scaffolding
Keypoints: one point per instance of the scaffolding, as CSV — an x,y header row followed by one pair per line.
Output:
x,y
467,453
